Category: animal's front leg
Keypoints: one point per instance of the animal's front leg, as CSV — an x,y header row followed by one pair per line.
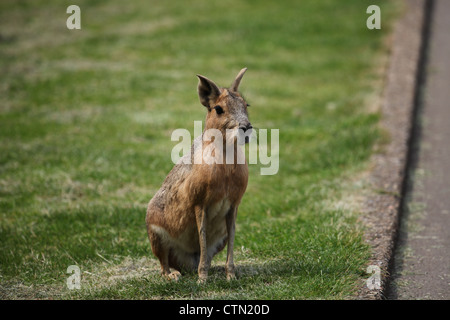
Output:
x,y
230,220
203,266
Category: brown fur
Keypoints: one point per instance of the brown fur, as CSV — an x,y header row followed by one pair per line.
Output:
x,y
192,216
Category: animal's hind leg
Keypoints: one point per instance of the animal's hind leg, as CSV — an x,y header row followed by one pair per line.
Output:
x,y
162,253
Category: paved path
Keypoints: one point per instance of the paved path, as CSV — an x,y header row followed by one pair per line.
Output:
x,y
422,259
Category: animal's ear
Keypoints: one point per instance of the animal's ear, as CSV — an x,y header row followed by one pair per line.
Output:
x,y
207,90
237,81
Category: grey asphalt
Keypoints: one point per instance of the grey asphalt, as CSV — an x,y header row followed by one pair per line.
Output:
x,y
422,259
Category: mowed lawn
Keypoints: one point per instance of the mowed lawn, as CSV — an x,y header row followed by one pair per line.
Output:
x,y
86,118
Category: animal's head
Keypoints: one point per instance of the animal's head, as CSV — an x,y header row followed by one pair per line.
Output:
x,y
227,109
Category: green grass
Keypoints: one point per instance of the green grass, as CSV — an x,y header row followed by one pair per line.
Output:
x,y
85,123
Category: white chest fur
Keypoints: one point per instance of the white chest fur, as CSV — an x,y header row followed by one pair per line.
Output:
x,y
216,229
218,210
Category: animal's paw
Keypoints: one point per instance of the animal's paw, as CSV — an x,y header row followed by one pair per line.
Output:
x,y
202,279
231,276
230,272
174,275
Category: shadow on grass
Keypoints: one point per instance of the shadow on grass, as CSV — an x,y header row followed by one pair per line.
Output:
x,y
272,279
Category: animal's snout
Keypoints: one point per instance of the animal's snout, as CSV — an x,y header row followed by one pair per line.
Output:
x,y
246,131
246,127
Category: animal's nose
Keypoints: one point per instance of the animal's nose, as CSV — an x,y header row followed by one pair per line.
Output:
x,y
246,127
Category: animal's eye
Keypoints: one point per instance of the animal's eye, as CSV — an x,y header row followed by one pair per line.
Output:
x,y
218,109
248,105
